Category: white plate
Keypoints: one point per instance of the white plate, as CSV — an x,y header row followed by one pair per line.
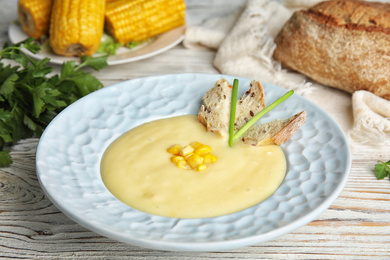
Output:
x,y
161,43
69,153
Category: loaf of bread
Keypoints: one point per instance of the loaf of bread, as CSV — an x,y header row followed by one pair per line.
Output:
x,y
214,114
344,44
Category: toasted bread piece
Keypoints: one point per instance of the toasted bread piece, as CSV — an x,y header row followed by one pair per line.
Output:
x,y
214,113
274,132
215,110
249,104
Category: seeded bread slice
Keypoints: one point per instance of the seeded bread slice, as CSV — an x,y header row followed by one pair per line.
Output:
x,y
249,104
274,132
214,112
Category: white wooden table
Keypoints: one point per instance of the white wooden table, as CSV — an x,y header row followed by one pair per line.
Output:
x,y
356,226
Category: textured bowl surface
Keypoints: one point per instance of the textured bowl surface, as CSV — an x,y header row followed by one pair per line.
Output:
x,y
69,153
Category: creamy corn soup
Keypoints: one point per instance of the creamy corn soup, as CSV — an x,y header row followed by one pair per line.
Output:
x,y
137,169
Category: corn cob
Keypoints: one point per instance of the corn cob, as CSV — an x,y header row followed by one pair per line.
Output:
x,y
76,26
34,17
137,20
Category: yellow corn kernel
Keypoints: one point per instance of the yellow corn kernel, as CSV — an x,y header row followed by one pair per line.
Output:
x,y
187,155
186,150
194,159
200,167
202,150
209,158
182,165
177,158
175,149
195,144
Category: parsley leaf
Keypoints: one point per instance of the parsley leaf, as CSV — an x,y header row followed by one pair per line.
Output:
x,y
382,170
31,45
30,99
96,63
108,45
5,158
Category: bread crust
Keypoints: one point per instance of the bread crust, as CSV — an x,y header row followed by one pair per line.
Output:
x,y
344,44
290,129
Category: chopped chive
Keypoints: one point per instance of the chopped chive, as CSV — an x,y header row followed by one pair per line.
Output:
x,y
259,115
233,111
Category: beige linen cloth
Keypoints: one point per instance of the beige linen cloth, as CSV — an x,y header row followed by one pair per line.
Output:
x,y
244,44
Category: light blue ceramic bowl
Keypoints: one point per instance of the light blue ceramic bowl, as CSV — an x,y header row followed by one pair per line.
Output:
x,y
69,153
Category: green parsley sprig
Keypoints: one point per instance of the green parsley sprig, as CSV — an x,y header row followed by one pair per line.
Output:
x,y
30,99
109,46
382,169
